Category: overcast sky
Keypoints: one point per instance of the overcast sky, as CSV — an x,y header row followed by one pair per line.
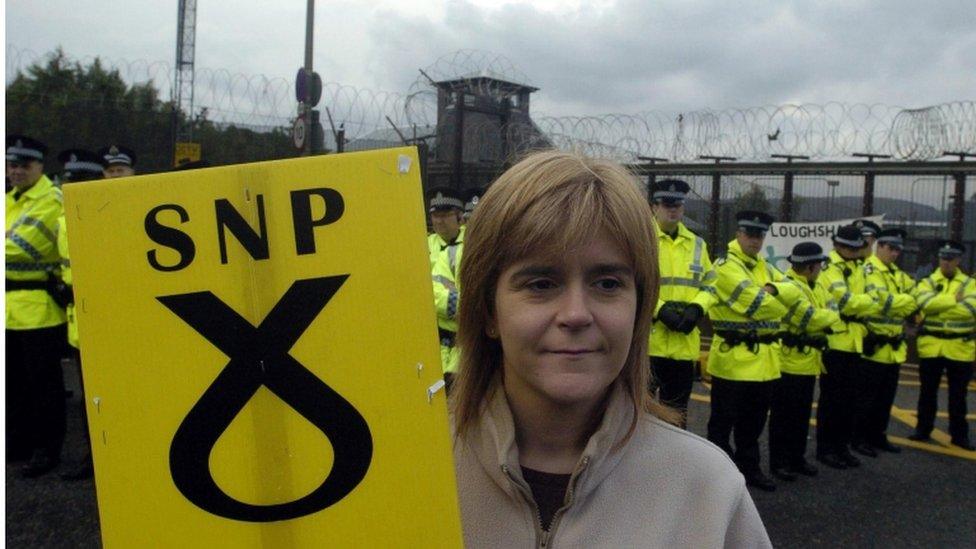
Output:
x,y
601,56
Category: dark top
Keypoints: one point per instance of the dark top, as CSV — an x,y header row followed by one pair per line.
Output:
x,y
549,492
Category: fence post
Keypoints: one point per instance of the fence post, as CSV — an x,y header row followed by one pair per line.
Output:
x,y
958,206
786,204
651,176
959,199
715,204
868,208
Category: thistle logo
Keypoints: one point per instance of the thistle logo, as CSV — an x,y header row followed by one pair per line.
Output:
x,y
259,356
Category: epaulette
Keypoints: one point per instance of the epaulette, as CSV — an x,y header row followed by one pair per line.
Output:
x,y
868,268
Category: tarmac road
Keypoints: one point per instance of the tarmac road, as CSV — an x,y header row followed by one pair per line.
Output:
x,y
923,497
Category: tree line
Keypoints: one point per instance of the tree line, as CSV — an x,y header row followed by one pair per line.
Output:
x,y
67,104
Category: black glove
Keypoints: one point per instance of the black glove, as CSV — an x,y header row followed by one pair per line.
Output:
x,y
671,314
689,318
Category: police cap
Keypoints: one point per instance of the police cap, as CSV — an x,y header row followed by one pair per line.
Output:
x,y
951,249
893,237
868,227
21,148
807,252
474,196
80,165
117,155
669,191
753,221
849,236
444,198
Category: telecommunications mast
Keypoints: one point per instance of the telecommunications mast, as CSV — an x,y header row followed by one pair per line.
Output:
x,y
186,32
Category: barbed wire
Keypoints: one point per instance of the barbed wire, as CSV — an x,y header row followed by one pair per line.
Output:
x,y
829,131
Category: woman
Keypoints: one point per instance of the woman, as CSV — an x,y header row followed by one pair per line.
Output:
x,y
558,442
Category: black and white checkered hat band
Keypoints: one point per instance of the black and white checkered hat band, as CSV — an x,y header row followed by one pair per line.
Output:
x,y
806,258
851,243
82,167
120,158
13,153
746,224
668,195
948,251
446,202
893,240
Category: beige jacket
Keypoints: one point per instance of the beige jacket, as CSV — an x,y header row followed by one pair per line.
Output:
x,y
665,488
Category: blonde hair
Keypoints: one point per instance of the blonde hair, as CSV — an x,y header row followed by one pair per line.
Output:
x,y
547,204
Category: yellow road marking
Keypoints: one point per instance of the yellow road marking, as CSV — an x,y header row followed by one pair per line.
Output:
x,y
907,417
948,450
943,415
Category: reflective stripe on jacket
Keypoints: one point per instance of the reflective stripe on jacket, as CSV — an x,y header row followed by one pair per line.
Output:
x,y
32,254
446,295
686,275
744,306
843,281
807,316
893,293
936,297
67,279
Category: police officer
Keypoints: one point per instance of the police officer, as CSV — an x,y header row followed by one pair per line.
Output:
x,y
869,230
800,363
884,348
843,279
35,322
687,292
446,246
947,341
474,196
119,161
742,360
78,165
446,215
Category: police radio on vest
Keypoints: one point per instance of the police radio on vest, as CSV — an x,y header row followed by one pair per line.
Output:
x,y
255,242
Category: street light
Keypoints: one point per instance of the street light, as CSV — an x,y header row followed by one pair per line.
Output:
x,y
832,183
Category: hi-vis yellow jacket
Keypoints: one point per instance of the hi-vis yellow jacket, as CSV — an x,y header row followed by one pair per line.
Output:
x,y
936,296
446,294
686,275
31,254
436,244
808,315
892,290
67,279
743,306
843,280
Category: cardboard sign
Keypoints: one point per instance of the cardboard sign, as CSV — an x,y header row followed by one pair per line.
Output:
x,y
260,356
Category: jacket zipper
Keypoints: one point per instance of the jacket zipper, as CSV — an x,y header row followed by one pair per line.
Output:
x,y
543,536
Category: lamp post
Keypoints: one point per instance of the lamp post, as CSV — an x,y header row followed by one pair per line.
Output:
x,y
832,183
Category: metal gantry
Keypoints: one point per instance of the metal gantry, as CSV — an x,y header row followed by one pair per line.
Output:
x,y
186,33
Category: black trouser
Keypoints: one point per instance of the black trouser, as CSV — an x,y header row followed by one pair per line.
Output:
x,y
835,409
739,408
789,419
673,378
35,391
958,374
877,385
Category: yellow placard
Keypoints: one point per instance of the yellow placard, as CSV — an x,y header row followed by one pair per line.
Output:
x,y
186,152
260,356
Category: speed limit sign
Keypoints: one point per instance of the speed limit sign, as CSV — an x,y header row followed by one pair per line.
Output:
x,y
298,133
